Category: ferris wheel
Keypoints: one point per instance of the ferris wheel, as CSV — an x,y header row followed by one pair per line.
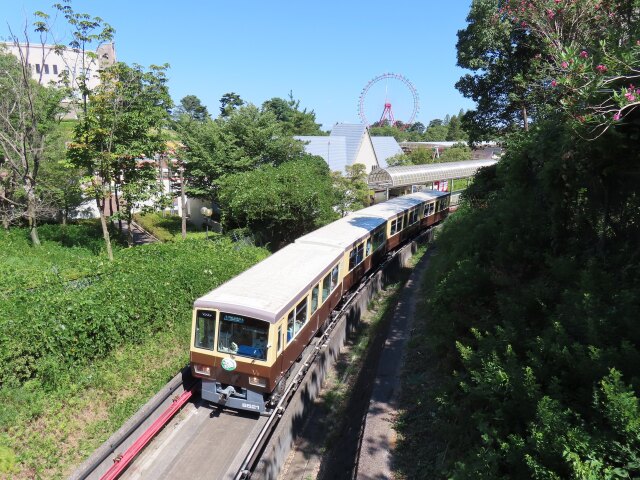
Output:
x,y
398,82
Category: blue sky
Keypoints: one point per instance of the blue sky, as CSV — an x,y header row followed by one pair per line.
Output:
x,y
325,52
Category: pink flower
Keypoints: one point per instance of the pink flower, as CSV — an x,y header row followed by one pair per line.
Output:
x,y
630,96
550,14
584,54
564,64
601,68
616,117
554,83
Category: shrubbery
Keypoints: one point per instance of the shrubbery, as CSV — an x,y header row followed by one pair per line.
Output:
x,y
532,337
45,332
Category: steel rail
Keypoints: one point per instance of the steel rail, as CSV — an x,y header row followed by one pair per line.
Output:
x,y
121,462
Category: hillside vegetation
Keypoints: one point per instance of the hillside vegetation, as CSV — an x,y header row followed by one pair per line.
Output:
x,y
77,324
526,361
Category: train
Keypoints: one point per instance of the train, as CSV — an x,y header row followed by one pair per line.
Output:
x,y
247,333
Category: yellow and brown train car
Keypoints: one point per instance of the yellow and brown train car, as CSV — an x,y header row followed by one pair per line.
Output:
x,y
248,332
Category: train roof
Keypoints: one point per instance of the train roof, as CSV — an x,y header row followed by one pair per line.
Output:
x,y
348,230
270,288
342,233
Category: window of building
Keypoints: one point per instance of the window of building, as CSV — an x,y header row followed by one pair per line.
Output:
x,y
205,329
55,69
38,68
46,68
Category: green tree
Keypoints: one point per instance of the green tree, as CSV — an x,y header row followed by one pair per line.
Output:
x,y
246,139
436,133
124,121
295,121
230,102
29,112
504,59
279,203
60,182
352,189
457,153
193,108
455,131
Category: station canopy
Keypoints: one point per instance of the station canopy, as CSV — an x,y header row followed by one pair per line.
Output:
x,y
420,174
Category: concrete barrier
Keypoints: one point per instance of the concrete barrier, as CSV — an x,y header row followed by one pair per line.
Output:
x,y
292,421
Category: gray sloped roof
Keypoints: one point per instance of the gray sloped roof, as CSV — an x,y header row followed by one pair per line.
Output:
x,y
419,174
332,149
353,133
385,147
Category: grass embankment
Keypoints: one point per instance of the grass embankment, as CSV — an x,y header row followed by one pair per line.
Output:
x,y
78,357
166,228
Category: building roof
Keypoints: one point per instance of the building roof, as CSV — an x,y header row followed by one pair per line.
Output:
x,y
269,289
331,148
385,147
339,149
420,174
353,134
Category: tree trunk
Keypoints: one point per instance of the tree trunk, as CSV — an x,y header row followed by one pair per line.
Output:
x,y
129,232
105,227
183,204
525,120
115,191
32,212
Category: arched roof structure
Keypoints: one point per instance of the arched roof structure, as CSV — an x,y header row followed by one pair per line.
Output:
x,y
419,174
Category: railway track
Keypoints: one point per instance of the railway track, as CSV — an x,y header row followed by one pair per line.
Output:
x,y
177,435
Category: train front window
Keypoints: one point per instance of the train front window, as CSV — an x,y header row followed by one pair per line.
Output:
x,y
205,329
243,336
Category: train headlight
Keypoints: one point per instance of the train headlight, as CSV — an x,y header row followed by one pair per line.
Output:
x,y
203,370
258,381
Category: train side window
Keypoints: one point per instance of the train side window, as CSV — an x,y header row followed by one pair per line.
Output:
x,y
314,298
326,287
394,227
413,216
301,316
352,259
205,329
378,237
279,338
290,326
368,249
356,256
334,277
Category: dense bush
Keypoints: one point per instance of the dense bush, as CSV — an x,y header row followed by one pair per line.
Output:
x,y
532,339
166,229
45,332
67,252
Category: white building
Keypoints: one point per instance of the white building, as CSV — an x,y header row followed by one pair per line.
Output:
x,y
49,63
349,144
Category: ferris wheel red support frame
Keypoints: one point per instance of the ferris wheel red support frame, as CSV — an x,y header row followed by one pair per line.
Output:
x,y
387,113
